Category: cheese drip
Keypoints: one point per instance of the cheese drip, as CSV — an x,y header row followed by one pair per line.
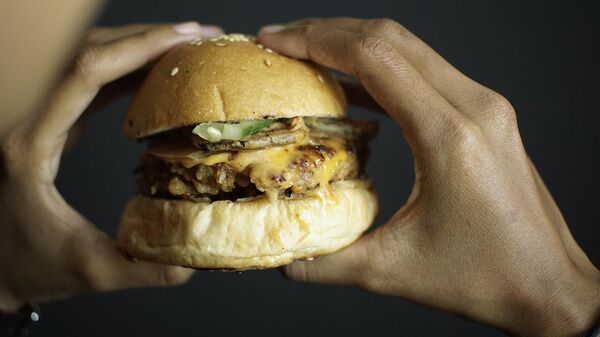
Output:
x,y
272,169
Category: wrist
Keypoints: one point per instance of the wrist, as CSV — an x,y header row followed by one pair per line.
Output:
x,y
566,308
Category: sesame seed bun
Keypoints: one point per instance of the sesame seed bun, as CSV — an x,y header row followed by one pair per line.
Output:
x,y
229,79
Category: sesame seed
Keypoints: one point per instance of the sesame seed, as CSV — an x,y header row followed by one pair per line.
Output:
x,y
269,50
320,78
220,44
174,71
267,63
214,39
237,38
259,45
195,41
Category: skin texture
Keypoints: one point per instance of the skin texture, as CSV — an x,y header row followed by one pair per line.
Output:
x,y
480,235
47,249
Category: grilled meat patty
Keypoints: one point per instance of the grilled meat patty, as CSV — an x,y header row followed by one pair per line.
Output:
x,y
287,160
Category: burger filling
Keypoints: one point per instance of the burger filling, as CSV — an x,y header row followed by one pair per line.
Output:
x,y
278,158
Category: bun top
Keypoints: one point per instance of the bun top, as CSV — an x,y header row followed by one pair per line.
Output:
x,y
229,78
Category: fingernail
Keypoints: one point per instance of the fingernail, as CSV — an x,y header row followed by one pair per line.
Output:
x,y
211,31
188,28
271,29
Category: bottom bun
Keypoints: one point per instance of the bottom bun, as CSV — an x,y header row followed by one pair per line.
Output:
x,y
246,234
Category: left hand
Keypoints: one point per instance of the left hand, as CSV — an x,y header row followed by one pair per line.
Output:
x,y
47,249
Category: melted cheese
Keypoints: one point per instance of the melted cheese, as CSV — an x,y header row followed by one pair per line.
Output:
x,y
215,158
274,161
269,169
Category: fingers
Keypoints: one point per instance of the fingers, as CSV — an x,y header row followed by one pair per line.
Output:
x,y
459,90
129,83
95,66
384,72
462,92
346,267
101,35
102,267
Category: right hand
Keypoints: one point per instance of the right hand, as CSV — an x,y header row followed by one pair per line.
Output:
x,y
47,249
480,235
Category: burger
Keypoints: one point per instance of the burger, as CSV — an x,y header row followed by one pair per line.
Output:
x,y
251,162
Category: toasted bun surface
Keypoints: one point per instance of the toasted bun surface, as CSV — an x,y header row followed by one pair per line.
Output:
x,y
245,234
229,79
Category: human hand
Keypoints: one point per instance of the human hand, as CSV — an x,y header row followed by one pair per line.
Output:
x,y
47,249
479,235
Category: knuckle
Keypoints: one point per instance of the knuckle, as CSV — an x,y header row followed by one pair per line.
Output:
x,y
373,37
387,28
173,276
147,38
469,143
375,44
469,135
306,29
496,105
498,113
375,48
85,63
383,27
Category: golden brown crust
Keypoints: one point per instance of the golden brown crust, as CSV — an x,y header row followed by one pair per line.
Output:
x,y
229,80
244,235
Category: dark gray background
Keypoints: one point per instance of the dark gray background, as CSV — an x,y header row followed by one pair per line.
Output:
x,y
542,56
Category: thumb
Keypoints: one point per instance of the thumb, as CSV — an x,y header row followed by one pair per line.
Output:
x,y
105,268
349,266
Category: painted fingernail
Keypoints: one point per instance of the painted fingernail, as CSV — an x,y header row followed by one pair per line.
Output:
x,y
271,29
211,31
188,28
